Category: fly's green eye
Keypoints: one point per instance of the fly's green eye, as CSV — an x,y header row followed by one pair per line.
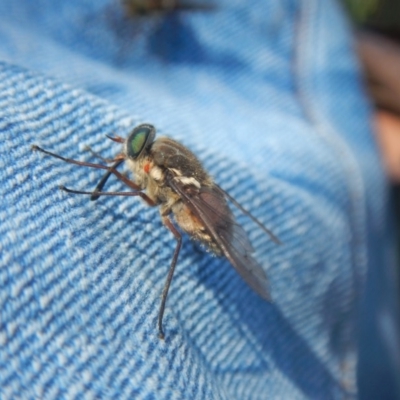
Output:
x,y
139,139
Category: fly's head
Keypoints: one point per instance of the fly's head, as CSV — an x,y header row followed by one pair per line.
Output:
x,y
138,143
137,151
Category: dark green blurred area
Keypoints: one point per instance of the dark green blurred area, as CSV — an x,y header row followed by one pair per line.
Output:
x,y
381,15
360,10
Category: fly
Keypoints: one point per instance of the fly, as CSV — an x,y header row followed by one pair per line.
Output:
x,y
170,176
147,7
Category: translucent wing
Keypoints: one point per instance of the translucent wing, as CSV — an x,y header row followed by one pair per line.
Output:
x,y
209,205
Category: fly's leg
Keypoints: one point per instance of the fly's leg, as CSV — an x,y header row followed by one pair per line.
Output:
x,y
144,196
121,177
167,222
103,181
99,156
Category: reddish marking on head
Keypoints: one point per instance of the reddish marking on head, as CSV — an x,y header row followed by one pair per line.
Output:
x,y
146,168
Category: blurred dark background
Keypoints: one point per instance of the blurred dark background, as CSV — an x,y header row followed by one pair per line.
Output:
x,y
381,15
378,45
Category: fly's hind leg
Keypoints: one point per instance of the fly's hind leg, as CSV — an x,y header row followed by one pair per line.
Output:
x,y
167,222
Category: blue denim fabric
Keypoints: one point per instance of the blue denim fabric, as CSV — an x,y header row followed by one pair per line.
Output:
x,y
269,97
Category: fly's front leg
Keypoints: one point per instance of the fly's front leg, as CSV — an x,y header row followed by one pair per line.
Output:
x,y
144,196
103,181
117,161
167,222
99,156
111,169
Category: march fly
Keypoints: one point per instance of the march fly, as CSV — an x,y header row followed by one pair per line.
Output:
x,y
149,7
168,175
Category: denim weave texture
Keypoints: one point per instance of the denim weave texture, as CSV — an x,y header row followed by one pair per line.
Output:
x,y
269,98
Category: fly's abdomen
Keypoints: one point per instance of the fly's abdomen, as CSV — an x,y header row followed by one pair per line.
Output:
x,y
216,210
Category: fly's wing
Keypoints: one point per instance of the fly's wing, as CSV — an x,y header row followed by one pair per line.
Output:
x,y
209,205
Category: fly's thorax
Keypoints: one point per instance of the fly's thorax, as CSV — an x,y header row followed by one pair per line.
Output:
x,y
170,154
189,182
136,167
152,178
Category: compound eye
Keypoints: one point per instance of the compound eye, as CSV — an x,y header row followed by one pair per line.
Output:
x,y
140,138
